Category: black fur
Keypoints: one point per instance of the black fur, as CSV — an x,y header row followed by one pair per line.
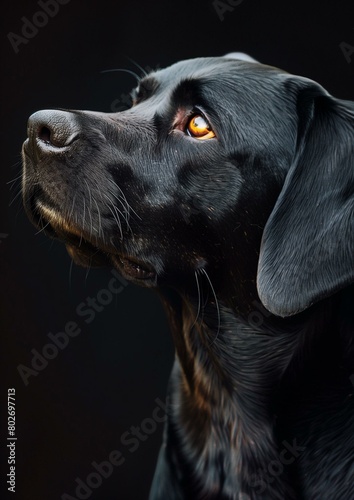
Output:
x,y
260,400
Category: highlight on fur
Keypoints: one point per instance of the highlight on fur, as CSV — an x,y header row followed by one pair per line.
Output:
x,y
228,188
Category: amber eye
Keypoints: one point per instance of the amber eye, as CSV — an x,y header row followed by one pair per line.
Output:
x,y
199,128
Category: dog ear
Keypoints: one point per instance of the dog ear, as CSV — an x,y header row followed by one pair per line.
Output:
x,y
240,56
307,247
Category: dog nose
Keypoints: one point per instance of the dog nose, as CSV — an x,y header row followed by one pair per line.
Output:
x,y
51,130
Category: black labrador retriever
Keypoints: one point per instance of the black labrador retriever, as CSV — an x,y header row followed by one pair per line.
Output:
x,y
228,186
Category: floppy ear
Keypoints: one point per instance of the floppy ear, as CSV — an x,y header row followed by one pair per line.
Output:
x,y
308,243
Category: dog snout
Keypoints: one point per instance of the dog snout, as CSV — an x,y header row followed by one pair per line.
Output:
x,y
50,131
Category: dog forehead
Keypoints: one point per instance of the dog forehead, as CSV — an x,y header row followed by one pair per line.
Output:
x,y
219,74
198,68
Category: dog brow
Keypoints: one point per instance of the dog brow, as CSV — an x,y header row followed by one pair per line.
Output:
x,y
146,88
186,90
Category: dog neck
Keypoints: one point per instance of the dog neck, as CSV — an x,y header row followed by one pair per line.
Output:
x,y
224,387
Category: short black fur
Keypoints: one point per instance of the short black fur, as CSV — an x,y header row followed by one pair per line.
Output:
x,y
248,238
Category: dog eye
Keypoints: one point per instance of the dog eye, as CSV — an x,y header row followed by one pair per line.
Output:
x,y
199,128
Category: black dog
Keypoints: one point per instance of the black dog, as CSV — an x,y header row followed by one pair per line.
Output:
x,y
226,181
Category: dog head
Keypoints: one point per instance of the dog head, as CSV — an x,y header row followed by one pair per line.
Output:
x,y
213,153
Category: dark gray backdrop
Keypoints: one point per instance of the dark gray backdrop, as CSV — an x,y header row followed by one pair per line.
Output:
x,y
83,404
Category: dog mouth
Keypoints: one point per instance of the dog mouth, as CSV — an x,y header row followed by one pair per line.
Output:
x,y
85,250
134,269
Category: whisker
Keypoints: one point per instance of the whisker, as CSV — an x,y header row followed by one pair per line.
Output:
x,y
90,207
99,218
42,229
116,218
72,208
199,298
117,214
17,163
83,222
124,215
216,304
126,220
88,269
137,65
203,301
126,201
14,180
122,202
84,214
137,77
15,197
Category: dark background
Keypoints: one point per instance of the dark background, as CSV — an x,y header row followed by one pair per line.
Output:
x,y
106,380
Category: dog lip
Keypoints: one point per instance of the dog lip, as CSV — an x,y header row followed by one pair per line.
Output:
x,y
36,216
136,269
49,221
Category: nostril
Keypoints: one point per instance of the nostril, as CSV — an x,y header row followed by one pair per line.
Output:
x,y
44,133
51,130
53,137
